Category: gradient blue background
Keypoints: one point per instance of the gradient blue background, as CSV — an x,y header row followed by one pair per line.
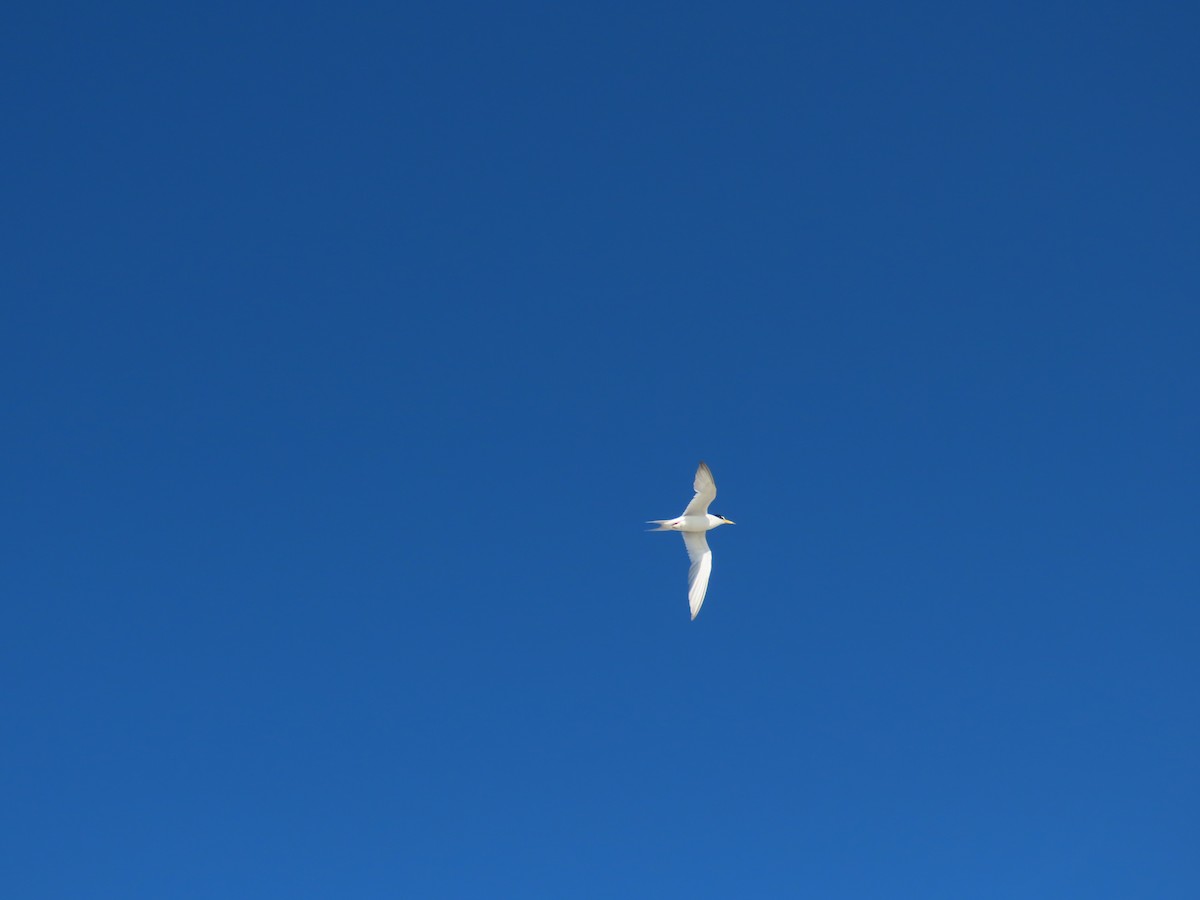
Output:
x,y
346,351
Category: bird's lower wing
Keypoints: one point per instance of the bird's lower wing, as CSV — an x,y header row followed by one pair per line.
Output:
x,y
706,491
701,557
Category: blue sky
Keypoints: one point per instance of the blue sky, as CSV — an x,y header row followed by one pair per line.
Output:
x,y
347,351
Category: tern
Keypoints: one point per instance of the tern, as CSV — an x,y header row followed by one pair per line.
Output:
x,y
695,521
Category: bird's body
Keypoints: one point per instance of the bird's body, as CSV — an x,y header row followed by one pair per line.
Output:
x,y
695,521
702,523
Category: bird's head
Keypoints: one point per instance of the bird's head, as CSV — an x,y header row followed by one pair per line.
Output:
x,y
725,521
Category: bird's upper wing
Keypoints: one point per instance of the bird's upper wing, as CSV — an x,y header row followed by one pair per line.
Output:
x,y
701,557
706,490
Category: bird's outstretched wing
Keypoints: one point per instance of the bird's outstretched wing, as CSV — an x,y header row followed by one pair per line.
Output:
x,y
701,557
706,490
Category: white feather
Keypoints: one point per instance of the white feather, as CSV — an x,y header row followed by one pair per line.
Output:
x,y
706,492
701,557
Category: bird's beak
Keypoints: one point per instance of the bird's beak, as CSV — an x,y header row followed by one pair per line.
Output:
x,y
730,522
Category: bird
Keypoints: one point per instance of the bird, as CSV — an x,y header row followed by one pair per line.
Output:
x,y
693,524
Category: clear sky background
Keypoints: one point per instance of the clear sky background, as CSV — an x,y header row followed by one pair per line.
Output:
x,y
345,352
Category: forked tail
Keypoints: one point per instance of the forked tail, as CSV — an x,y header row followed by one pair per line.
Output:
x,y
663,524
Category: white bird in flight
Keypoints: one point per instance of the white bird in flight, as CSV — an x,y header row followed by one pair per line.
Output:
x,y
694,522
